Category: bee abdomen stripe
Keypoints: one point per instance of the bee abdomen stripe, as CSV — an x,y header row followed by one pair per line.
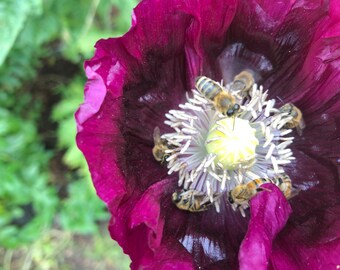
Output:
x,y
279,180
201,81
208,87
211,91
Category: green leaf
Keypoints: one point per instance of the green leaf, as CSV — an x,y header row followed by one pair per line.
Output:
x,y
81,211
13,15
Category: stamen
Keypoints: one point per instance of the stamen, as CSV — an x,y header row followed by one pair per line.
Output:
x,y
186,146
275,166
211,155
285,132
268,141
270,151
189,131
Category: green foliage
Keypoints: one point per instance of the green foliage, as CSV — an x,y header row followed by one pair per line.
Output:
x,y
100,20
32,29
82,208
33,32
63,114
13,15
27,203
104,247
57,249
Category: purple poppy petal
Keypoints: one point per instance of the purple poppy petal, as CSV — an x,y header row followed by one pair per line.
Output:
x,y
171,59
134,80
319,74
212,238
147,211
335,10
98,133
313,229
312,232
293,248
128,72
169,256
138,227
271,38
316,170
321,69
149,91
269,212
113,141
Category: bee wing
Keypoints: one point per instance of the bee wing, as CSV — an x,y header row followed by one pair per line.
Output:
x,y
217,196
156,135
206,199
203,198
237,86
301,126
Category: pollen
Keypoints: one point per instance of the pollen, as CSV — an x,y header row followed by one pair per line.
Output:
x,y
233,141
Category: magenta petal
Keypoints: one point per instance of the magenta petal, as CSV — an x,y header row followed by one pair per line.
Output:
x,y
321,70
273,39
147,211
134,80
294,249
100,140
269,212
138,227
169,256
93,99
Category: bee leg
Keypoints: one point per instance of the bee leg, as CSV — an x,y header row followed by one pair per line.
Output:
x,y
217,207
280,99
234,206
299,131
262,188
242,212
300,127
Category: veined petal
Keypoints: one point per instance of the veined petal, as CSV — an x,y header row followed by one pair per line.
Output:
x,y
269,212
134,80
138,228
312,244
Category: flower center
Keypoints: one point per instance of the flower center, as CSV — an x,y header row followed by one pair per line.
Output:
x,y
233,142
214,150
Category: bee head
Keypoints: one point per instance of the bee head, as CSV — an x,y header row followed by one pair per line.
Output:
x,y
230,112
236,107
233,110
176,197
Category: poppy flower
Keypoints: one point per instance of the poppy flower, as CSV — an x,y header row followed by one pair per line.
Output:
x,y
142,82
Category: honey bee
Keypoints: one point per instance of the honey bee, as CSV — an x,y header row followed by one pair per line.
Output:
x,y
223,101
160,146
192,200
241,194
242,83
297,121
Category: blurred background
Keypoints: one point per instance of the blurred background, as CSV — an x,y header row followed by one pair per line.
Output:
x,y
50,217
